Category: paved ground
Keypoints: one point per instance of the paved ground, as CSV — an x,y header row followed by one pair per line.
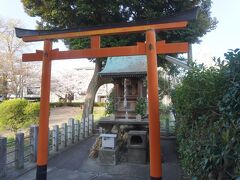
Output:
x,y
171,168
74,164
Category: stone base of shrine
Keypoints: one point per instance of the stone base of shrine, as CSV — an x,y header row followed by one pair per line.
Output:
x,y
108,156
138,156
108,123
133,150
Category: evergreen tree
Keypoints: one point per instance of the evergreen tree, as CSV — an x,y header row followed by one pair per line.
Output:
x,y
62,14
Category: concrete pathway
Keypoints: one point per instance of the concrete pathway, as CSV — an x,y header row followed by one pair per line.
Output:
x,y
171,167
74,164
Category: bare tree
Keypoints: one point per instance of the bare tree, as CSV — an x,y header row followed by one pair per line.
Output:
x,y
13,72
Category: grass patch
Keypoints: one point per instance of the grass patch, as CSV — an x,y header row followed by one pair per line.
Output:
x,y
98,112
79,116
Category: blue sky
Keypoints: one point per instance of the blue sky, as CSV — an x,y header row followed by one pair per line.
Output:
x,y
216,43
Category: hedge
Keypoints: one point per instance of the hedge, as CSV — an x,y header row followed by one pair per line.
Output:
x,y
207,107
18,113
74,104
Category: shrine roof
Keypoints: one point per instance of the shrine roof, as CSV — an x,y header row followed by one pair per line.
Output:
x,y
125,66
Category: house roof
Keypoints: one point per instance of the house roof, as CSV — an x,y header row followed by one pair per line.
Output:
x,y
125,66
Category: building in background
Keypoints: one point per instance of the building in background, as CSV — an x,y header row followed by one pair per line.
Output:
x,y
67,86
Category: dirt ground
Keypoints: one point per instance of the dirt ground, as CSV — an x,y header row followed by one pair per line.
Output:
x,y
62,114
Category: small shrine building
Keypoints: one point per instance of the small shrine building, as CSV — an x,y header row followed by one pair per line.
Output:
x,y
129,78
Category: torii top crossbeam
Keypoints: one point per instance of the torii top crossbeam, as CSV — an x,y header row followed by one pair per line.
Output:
x,y
150,48
166,23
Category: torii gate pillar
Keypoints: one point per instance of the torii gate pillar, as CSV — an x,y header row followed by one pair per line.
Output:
x,y
42,155
153,106
151,49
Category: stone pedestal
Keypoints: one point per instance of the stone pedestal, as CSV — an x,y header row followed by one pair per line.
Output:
x,y
138,156
137,147
108,156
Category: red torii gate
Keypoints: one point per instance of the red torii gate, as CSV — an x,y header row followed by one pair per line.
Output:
x,y
150,48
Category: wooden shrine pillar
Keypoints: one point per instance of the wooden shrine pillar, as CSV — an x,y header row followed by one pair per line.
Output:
x,y
42,155
153,106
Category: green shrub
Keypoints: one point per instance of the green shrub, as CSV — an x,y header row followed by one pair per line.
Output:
x,y
57,104
110,108
164,111
31,112
12,115
207,106
16,113
99,104
141,106
70,104
74,104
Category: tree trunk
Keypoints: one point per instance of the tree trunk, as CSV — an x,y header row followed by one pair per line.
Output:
x,y
190,54
93,86
5,87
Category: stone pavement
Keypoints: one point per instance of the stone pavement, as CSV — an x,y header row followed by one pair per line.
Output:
x,y
74,164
